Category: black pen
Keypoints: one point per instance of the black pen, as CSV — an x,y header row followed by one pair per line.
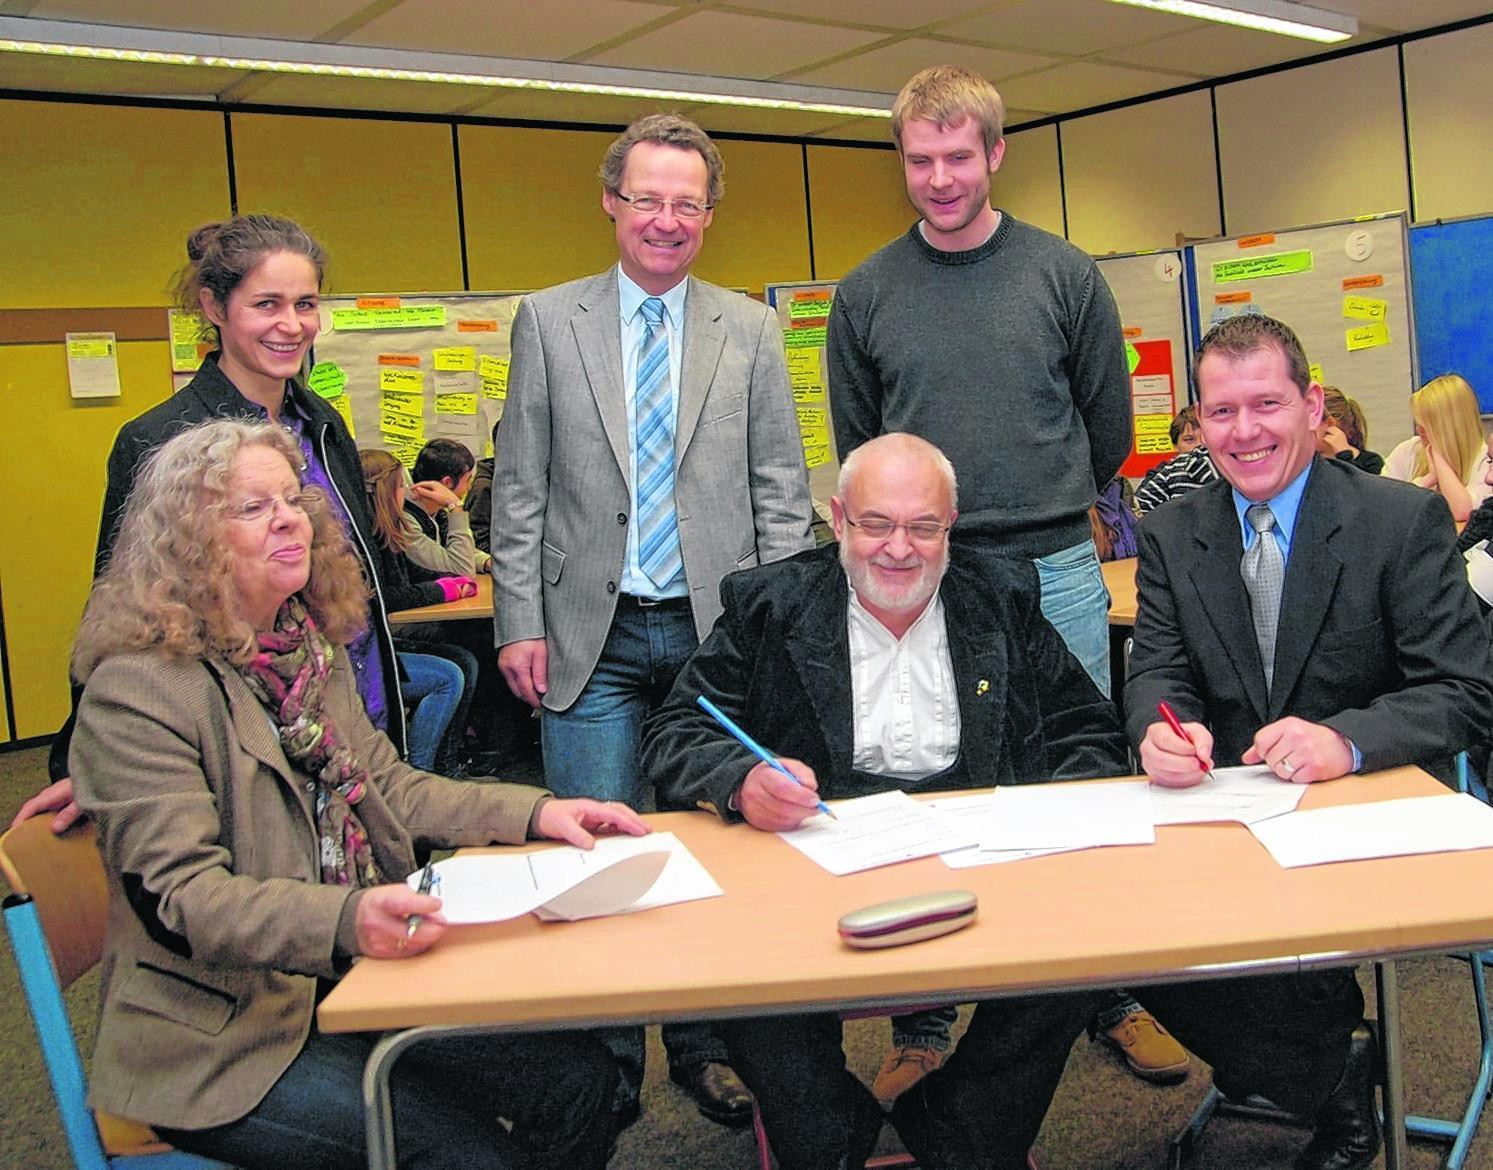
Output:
x,y
427,877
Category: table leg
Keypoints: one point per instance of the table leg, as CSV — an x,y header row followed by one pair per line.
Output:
x,y
1387,983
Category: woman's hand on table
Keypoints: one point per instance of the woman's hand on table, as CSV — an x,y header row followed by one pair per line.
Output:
x,y
580,821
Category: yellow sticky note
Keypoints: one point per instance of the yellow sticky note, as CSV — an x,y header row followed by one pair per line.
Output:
x,y
1368,337
816,456
456,357
404,380
90,346
1153,424
456,404
402,426
805,370
1315,372
494,374
404,451
1365,308
411,405
815,436
343,405
186,329
807,338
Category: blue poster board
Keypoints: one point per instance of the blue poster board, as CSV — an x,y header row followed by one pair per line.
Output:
x,y
1451,266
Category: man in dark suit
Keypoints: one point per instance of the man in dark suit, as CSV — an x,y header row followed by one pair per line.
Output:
x,y
1302,614
886,662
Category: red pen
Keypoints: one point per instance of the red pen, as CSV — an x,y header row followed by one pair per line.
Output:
x,y
1165,710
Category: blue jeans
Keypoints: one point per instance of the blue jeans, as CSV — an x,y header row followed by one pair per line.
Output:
x,y
436,686
448,1096
1075,601
591,749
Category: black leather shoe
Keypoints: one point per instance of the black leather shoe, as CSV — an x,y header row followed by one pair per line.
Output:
x,y
717,1090
1346,1136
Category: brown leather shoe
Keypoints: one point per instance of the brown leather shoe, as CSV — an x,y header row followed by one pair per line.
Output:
x,y
717,1090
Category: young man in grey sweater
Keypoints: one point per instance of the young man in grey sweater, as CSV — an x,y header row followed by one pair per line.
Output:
x,y
1001,344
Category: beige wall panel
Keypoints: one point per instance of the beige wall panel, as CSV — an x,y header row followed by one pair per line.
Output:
x,y
379,195
859,203
533,206
1450,96
102,198
761,231
1322,142
1136,177
1027,184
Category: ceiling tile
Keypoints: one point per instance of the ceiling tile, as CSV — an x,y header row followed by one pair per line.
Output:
x,y
534,105
886,69
885,13
724,45
859,130
285,19
1215,50
505,28
1402,17
1072,27
750,120
1081,84
79,75
1015,117
361,93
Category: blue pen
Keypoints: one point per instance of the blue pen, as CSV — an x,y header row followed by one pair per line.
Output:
x,y
753,746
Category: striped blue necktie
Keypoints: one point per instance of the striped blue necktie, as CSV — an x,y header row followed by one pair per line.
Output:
x,y
653,423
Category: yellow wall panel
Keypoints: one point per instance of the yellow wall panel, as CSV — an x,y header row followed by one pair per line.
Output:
x,y
1136,177
379,195
761,230
1308,145
105,197
57,486
859,203
1027,183
1450,92
533,206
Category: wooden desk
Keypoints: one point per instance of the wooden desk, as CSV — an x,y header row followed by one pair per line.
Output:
x,y
466,608
1217,904
1119,579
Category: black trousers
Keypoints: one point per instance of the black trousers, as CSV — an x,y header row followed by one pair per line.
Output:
x,y
1284,1037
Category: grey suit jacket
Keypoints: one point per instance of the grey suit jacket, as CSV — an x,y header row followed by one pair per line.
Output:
x,y
561,498
219,923
1379,637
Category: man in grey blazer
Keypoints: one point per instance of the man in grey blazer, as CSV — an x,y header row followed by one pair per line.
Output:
x,y
649,447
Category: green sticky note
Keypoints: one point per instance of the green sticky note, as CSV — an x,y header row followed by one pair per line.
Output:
x,y
405,317
1132,357
1256,267
327,379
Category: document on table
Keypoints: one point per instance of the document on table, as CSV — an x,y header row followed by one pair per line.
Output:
x,y
1068,816
960,809
1246,794
620,875
875,830
1385,828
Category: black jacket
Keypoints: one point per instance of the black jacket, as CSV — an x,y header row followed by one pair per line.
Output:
x,y
778,662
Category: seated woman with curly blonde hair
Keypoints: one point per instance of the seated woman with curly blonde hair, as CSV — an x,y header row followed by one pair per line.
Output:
x,y
257,830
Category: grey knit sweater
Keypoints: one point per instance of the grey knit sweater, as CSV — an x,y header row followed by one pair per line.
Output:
x,y
1009,357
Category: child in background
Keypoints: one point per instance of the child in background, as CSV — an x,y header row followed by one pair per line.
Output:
x,y
1344,432
1449,453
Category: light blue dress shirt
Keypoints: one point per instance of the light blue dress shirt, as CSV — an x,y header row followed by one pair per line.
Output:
x,y
630,300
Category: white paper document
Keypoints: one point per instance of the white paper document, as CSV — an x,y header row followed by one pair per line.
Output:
x,y
876,830
960,809
620,875
1386,828
1068,816
1246,794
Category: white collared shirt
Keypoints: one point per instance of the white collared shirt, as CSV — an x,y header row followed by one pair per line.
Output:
x,y
629,300
904,705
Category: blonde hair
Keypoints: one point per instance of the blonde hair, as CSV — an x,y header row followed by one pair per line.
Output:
x,y
947,94
383,475
1446,408
170,585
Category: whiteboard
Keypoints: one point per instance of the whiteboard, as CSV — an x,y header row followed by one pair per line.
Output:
x,y
1151,291
402,370
803,311
1345,289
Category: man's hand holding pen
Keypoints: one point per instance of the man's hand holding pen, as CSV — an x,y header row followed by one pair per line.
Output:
x,y
774,802
1176,757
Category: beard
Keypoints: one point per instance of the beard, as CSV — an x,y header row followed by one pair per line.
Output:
x,y
913,594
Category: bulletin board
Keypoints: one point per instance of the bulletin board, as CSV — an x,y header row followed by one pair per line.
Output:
x,y
803,311
1345,289
1151,291
403,370
1452,263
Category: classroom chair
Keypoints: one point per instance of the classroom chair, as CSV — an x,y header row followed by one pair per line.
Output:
x,y
1457,1134
55,919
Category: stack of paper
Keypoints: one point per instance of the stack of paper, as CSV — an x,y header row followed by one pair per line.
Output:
x,y
874,831
1386,828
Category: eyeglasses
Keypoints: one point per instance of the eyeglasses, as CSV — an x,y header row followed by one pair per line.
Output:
x,y
652,205
262,508
879,529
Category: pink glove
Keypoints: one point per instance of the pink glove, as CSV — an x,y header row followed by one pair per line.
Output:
x,y
453,588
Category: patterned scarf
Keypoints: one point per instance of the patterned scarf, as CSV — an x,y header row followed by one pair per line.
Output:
x,y
289,675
